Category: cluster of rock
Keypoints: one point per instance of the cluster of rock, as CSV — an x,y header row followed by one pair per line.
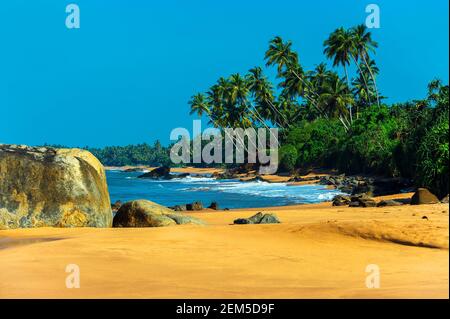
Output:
x,y
144,213
49,187
372,186
162,172
421,196
259,218
194,206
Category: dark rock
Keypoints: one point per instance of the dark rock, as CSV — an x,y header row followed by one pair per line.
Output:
x,y
425,217
365,202
144,213
242,221
259,218
341,200
214,206
116,205
389,202
162,172
134,169
195,206
179,208
255,219
423,196
269,219
354,204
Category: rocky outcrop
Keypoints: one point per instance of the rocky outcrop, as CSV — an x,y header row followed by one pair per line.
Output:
x,y
362,200
144,213
214,206
162,172
259,218
423,196
445,200
372,186
195,206
48,187
341,200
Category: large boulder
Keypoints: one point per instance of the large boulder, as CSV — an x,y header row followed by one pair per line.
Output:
x,y
259,218
48,187
144,213
423,196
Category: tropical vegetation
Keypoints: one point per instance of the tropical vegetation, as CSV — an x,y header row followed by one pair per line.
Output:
x,y
329,117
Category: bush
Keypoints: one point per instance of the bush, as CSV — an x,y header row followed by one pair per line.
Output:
x,y
288,158
316,142
371,144
433,158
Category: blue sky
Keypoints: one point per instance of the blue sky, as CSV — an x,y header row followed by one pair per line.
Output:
x,y
126,75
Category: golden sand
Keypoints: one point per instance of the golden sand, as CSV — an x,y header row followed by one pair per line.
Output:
x,y
318,251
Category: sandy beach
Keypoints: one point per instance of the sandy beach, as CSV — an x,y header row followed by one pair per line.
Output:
x,y
318,251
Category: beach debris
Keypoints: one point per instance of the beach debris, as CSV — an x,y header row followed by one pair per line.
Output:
x,y
259,218
425,217
389,202
52,187
424,196
144,213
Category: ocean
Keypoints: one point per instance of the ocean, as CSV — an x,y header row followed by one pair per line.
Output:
x,y
125,186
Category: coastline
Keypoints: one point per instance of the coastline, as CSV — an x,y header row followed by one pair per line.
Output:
x,y
318,251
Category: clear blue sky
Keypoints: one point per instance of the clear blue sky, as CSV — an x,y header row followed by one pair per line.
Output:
x,y
126,75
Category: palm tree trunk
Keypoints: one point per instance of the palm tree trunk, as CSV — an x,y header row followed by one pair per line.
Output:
x,y
373,77
364,79
348,83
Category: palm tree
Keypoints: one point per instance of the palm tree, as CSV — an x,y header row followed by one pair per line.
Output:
x,y
262,92
339,47
363,91
286,60
363,44
199,105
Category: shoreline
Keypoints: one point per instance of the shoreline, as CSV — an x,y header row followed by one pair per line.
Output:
x,y
318,251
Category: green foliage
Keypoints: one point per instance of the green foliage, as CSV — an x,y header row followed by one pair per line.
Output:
x,y
433,158
371,143
316,142
288,157
141,154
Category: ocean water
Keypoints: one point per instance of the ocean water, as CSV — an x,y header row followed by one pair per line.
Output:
x,y
125,186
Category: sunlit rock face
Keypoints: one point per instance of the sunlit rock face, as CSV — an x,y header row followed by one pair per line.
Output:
x,y
48,187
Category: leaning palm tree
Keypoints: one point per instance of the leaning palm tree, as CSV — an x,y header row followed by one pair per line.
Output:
x,y
288,66
262,92
363,44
